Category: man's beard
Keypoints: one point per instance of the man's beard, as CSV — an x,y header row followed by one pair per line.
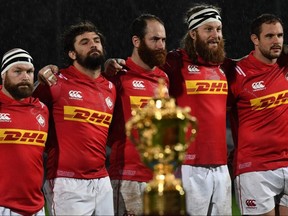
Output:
x,y
214,56
269,54
20,90
91,62
151,57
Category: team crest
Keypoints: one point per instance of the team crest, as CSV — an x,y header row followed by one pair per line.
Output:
x,y
41,120
109,102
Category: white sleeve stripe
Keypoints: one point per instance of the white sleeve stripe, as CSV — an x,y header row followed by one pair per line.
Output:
x,y
240,71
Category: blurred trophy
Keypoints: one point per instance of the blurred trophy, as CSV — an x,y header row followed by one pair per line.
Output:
x,y
161,132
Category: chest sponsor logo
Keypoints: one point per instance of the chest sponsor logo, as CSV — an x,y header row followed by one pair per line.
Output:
x,y
206,87
256,86
77,95
139,102
81,114
5,117
22,137
270,101
138,84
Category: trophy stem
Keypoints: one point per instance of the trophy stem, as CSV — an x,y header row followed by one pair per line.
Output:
x,y
164,195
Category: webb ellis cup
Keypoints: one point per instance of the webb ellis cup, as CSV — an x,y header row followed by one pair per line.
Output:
x,y
161,132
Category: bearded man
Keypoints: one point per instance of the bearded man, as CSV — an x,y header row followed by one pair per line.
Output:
x,y
135,84
197,81
23,131
81,105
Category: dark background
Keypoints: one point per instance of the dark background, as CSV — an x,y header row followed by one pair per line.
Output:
x,y
36,25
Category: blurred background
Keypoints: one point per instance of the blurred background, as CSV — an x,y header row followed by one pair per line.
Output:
x,y
36,25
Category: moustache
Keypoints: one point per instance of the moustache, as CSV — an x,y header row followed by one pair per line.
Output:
x,y
276,47
94,51
213,41
160,52
24,84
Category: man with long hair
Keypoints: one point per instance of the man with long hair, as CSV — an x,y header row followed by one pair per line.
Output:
x,y
197,81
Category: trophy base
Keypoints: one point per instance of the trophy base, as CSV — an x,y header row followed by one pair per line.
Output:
x,y
164,195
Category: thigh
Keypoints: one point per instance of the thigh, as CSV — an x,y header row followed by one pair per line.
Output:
x,y
128,196
8,212
256,191
68,196
119,204
198,186
104,196
222,195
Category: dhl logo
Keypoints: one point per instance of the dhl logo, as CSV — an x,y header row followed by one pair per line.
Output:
x,y
80,114
206,87
22,137
138,102
270,101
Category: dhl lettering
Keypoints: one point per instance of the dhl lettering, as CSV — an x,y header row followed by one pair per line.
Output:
x,y
138,102
270,101
22,137
206,87
87,115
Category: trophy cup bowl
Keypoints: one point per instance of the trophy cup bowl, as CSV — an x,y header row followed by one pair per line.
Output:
x,y
161,132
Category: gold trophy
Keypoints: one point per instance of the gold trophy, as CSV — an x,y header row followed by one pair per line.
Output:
x,y
161,132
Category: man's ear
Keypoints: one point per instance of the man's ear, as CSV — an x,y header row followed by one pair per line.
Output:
x,y
254,39
72,55
136,41
192,34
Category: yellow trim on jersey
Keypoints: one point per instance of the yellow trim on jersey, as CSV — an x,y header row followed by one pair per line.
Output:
x,y
22,137
270,101
206,86
138,102
80,114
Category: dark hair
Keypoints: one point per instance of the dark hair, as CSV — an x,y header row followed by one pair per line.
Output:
x,y
138,27
256,25
73,31
187,42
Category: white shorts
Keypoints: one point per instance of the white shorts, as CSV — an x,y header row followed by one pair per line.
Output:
x,y
69,196
128,196
8,212
259,192
208,190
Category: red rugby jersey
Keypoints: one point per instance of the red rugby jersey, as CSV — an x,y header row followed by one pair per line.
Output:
x,y
81,110
23,133
203,88
260,95
134,88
